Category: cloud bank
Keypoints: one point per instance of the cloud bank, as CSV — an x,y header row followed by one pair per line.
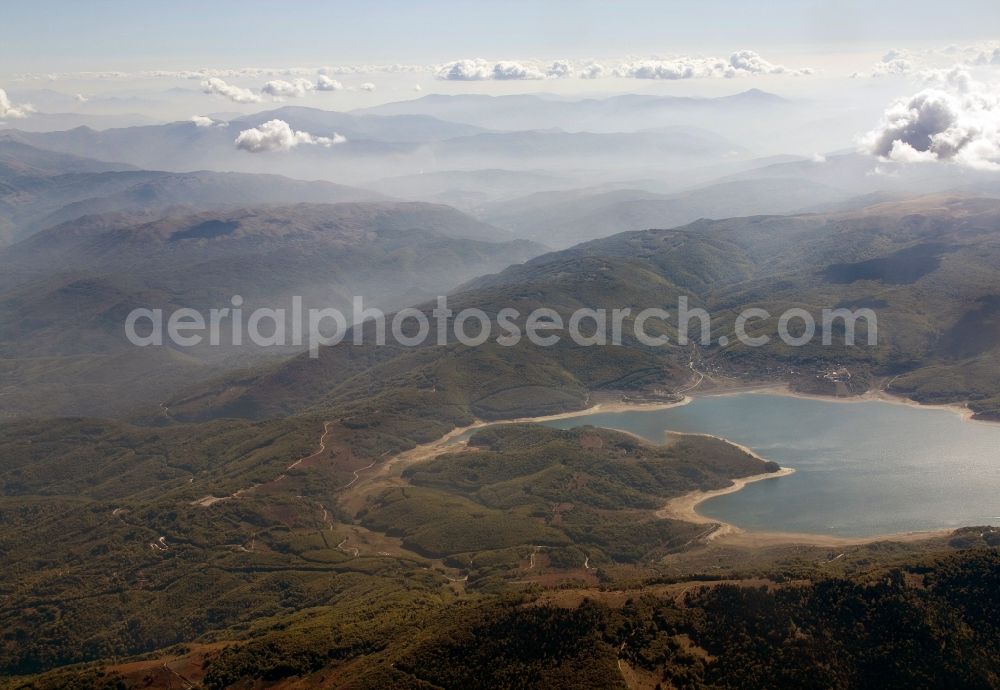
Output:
x,y
504,70
466,70
510,70
11,110
325,83
893,63
987,57
276,89
216,86
899,62
741,63
592,70
278,135
279,88
959,122
559,69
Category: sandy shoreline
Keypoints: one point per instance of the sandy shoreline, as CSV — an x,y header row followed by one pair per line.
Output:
x,y
685,507
593,409
601,407
879,395
764,389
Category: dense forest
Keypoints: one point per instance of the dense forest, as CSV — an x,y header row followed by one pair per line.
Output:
x,y
931,623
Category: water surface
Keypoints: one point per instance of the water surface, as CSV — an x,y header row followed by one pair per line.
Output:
x,y
862,468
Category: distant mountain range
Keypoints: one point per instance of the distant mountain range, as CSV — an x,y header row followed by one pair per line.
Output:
x,y
470,189
52,122
65,292
859,173
378,144
567,218
613,114
41,188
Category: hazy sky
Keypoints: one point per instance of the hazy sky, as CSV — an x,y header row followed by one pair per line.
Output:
x,y
65,35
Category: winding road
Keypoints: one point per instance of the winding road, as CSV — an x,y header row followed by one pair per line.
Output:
x,y
700,377
357,475
206,501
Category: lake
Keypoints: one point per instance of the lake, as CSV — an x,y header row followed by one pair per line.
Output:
x,y
862,468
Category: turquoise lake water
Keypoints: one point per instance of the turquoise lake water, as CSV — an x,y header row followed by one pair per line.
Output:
x,y
862,468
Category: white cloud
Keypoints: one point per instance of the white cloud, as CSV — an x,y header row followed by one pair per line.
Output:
x,y
956,79
215,85
509,70
895,67
897,62
749,62
277,135
325,83
367,86
279,88
679,68
592,70
12,110
559,69
959,122
503,70
893,63
740,63
987,57
205,121
466,70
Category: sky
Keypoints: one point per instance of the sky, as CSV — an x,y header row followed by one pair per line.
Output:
x,y
387,50
67,35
